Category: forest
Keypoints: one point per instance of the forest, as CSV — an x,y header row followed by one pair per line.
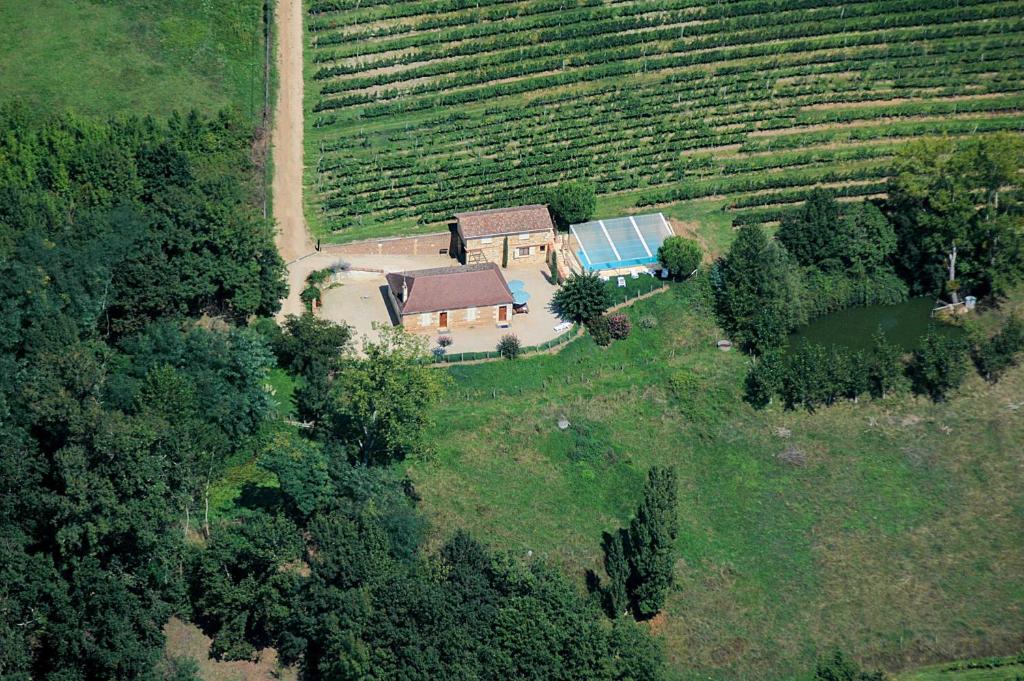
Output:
x,y
138,279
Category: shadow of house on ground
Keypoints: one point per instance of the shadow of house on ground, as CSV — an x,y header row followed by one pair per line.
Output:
x,y
392,313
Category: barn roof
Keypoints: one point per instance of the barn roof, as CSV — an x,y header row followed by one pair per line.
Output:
x,y
504,221
450,288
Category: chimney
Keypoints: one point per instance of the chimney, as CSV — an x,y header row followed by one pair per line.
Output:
x,y
405,289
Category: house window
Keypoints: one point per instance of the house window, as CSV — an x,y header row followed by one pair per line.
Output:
x,y
522,252
524,237
470,314
543,248
488,240
426,319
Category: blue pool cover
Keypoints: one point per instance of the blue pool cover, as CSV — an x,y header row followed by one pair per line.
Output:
x,y
631,241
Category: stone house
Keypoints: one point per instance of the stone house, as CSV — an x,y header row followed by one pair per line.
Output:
x,y
481,234
443,298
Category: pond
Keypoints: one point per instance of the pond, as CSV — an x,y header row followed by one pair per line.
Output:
x,y
903,323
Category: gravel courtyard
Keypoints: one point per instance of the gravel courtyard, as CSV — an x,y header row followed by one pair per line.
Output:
x,y
360,299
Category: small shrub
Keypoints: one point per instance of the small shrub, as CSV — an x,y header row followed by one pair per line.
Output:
x,y
444,341
600,330
619,326
310,294
648,322
591,443
509,347
993,356
317,277
839,667
682,383
764,379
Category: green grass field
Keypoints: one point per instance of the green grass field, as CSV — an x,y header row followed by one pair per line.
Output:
x,y
893,530
417,110
133,56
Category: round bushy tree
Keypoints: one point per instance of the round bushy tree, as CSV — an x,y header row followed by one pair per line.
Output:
x,y
572,203
679,256
509,346
581,298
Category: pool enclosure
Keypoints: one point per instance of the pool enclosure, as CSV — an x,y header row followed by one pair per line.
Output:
x,y
619,244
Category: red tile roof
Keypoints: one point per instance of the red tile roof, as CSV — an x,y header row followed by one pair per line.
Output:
x,y
502,221
450,288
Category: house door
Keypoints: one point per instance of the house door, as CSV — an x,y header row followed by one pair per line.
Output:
x,y
444,320
502,314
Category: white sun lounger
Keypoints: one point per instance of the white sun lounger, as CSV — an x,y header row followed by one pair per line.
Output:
x,y
562,326
633,274
622,282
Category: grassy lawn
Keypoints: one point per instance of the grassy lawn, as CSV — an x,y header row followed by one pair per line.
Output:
x,y
634,287
893,530
245,484
139,57
282,386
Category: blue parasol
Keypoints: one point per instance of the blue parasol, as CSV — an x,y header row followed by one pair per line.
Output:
x,y
516,285
520,297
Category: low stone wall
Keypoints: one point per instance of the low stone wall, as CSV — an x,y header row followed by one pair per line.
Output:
x,y
420,244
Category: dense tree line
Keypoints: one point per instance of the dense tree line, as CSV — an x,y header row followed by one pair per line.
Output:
x,y
815,375
116,412
133,220
957,215
951,225
335,578
826,257
133,370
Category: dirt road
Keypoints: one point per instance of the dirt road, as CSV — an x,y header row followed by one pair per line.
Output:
x,y
292,239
